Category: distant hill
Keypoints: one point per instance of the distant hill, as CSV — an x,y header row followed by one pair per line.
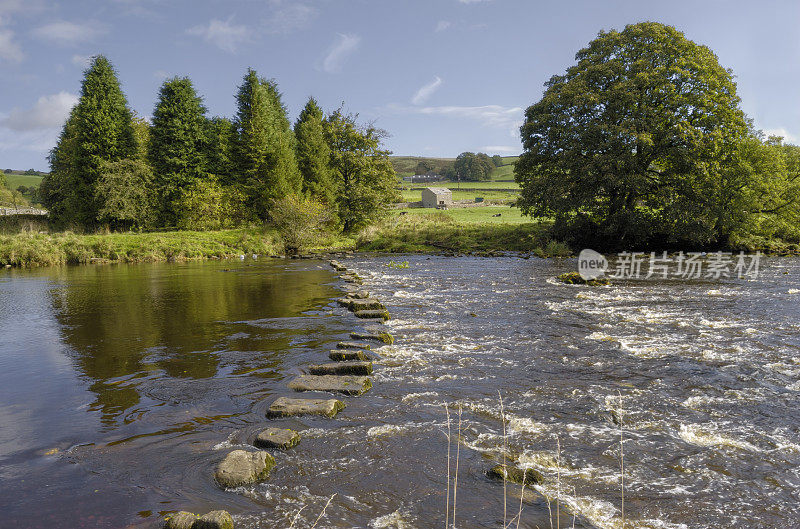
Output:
x,y
405,165
18,178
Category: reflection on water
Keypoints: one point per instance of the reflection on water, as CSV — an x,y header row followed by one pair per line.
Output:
x,y
122,386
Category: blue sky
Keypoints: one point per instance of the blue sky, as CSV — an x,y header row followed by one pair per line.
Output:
x,y
442,76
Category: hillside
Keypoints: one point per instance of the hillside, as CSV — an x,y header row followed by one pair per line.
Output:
x,y
405,165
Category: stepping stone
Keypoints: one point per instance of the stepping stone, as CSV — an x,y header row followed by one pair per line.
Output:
x,y
282,438
180,520
342,368
241,468
351,278
349,385
338,266
515,475
372,314
384,337
357,294
286,407
344,356
353,345
214,520
364,304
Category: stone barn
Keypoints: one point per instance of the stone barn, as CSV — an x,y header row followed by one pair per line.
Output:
x,y
437,197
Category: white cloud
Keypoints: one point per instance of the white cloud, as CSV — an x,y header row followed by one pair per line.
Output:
x,y
49,112
488,115
161,74
443,25
290,18
788,137
82,61
425,92
506,149
9,49
222,33
69,33
343,46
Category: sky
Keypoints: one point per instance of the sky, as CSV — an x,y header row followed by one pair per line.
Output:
x,y
441,76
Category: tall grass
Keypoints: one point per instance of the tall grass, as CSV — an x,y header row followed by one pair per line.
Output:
x,y
34,249
429,232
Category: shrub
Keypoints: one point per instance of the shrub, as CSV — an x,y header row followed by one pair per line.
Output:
x,y
300,221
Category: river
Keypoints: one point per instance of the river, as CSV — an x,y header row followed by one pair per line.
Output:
x,y
121,387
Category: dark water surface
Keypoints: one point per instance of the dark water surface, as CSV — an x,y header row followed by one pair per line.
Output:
x,y
122,386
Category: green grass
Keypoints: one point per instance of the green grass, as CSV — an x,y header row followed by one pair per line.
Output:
x,y
512,186
482,215
16,180
32,249
505,196
425,231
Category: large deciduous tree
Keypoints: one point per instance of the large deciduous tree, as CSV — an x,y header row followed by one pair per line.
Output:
x,y
364,177
264,152
176,144
634,144
313,154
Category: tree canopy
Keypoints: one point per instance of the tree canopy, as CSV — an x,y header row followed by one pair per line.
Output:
x,y
641,142
363,175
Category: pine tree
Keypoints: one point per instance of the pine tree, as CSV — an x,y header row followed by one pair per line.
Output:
x,y
220,139
176,146
103,133
57,188
313,154
264,154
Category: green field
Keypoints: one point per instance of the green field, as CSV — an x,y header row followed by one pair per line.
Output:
x,y
483,215
415,195
16,180
405,165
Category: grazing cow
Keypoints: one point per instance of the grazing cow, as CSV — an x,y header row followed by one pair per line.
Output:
x,y
497,215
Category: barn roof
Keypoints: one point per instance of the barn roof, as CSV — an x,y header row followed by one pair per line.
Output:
x,y
439,190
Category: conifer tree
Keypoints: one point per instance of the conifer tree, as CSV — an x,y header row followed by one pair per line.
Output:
x,y
219,143
265,144
57,188
103,133
176,144
313,154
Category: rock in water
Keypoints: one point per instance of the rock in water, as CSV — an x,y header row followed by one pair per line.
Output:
x,y
282,438
180,520
384,337
286,407
361,304
372,314
348,385
342,368
342,356
516,475
358,294
214,520
353,345
241,468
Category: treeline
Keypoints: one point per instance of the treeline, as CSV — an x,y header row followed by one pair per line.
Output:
x,y
468,166
186,170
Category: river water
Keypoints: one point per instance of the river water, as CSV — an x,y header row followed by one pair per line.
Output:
x,y
121,387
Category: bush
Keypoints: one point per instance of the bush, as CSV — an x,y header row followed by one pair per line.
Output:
x,y
207,205
300,221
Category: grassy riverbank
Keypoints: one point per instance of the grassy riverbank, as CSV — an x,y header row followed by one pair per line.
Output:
x,y
27,249
440,232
